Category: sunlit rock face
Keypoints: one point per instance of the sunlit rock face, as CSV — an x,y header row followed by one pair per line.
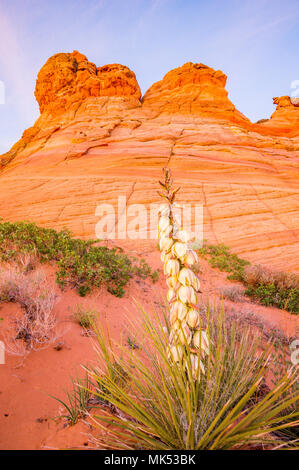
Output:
x,y
193,89
68,79
97,139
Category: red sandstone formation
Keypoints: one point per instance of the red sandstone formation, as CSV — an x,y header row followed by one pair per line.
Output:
x,y
193,89
287,112
67,79
95,140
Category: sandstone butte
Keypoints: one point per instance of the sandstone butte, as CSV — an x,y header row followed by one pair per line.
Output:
x,y
97,138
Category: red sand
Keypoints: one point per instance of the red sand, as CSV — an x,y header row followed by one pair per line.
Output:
x,y
27,411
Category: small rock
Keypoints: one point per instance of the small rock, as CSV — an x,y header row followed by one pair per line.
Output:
x,y
59,346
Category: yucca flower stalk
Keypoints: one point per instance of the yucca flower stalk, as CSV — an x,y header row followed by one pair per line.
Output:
x,y
183,284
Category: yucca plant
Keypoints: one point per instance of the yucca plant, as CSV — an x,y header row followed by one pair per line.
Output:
x,y
196,380
183,284
159,407
76,404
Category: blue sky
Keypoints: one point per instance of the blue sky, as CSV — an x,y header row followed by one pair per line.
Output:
x,y
255,43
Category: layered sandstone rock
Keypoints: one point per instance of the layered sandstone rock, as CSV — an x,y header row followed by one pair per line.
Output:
x,y
287,111
67,79
95,141
193,89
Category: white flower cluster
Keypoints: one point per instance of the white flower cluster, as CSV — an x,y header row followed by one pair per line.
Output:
x,y
183,287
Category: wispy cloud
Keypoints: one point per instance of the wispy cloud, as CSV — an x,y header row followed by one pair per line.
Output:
x,y
250,24
148,13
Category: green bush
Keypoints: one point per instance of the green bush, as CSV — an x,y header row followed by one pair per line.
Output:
x,y
220,257
287,299
269,287
82,264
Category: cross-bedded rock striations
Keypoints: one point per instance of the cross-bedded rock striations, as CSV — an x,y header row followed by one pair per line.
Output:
x,y
97,139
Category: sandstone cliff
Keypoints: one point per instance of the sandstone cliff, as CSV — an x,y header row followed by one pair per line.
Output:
x,y
97,139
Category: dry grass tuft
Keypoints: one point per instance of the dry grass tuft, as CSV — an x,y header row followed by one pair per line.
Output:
x,y
257,274
233,293
36,327
86,317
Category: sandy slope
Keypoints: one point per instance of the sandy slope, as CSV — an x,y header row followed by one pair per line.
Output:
x,y
27,411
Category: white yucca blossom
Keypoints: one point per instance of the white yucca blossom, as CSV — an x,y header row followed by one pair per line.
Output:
x,y
192,318
165,256
172,267
182,236
166,232
183,286
164,223
172,282
176,353
188,278
201,337
179,249
190,258
165,243
171,295
187,295
179,309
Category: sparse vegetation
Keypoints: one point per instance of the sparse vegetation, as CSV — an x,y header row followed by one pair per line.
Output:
x,y
272,287
233,293
77,402
85,317
155,276
35,328
81,264
220,257
267,286
229,408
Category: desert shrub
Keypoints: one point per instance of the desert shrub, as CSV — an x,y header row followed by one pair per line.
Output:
x,y
36,328
256,275
233,293
27,262
84,316
273,287
268,294
220,257
263,284
158,407
155,276
81,264
245,317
